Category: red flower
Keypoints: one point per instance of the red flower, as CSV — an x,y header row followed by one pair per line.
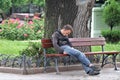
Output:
x,y
25,35
36,17
3,21
30,22
17,20
12,20
20,25
26,16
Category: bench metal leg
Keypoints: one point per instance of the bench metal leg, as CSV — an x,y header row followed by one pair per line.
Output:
x,y
103,60
70,58
67,60
56,65
114,60
45,63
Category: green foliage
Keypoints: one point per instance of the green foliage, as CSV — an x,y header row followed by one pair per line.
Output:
x,y
112,36
5,5
111,14
39,2
19,2
13,29
34,48
51,50
23,2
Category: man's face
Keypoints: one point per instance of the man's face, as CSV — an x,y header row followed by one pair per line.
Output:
x,y
66,32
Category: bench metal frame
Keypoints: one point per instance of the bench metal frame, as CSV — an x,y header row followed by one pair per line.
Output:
x,y
78,42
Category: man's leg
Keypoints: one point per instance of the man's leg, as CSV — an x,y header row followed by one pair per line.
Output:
x,y
83,59
90,70
80,56
76,53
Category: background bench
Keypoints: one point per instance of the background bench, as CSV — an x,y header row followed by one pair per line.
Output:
x,y
78,42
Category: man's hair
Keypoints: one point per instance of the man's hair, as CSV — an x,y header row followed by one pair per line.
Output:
x,y
68,27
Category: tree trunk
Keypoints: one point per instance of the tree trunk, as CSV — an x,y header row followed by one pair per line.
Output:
x,y
111,27
74,12
81,28
52,10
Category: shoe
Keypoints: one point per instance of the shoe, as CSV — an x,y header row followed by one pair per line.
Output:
x,y
93,73
95,68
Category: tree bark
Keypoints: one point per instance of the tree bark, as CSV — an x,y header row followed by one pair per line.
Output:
x,y
52,10
74,12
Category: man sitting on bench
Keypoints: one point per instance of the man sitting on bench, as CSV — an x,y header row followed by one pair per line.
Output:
x,y
62,45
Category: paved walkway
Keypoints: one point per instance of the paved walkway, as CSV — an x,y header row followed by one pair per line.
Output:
x,y
106,74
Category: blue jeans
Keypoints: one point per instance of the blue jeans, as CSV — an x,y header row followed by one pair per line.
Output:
x,y
79,55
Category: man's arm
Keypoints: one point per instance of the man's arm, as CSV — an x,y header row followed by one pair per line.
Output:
x,y
55,43
69,43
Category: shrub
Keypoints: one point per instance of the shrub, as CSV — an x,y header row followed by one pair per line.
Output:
x,y
112,36
111,13
34,48
14,29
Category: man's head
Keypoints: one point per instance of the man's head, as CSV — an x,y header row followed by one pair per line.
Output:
x,y
66,30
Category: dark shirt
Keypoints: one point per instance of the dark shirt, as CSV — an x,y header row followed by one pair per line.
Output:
x,y
59,40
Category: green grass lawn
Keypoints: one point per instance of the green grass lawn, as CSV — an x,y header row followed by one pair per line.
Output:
x,y
12,47
108,47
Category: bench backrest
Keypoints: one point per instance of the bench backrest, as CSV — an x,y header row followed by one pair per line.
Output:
x,y
77,42
46,43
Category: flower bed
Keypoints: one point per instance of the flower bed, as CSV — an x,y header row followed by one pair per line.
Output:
x,y
15,29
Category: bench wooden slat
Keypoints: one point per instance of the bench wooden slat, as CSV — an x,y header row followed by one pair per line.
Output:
x,y
77,42
46,43
87,43
86,53
46,40
49,45
86,39
105,52
56,55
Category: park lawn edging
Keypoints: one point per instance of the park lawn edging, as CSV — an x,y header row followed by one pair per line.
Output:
x,y
51,69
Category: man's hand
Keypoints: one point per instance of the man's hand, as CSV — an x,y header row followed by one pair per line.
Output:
x,y
64,53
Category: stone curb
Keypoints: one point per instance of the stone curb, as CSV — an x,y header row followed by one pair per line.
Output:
x,y
51,69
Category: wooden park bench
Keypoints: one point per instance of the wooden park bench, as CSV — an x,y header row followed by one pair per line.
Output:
x,y
78,42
